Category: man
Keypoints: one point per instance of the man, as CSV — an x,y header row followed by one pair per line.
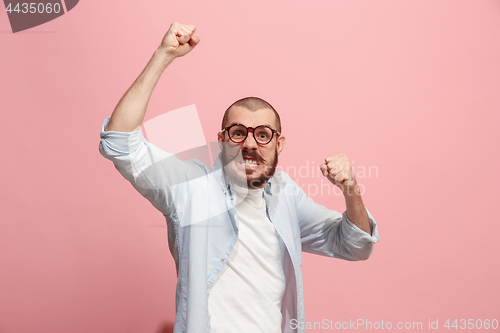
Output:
x,y
236,230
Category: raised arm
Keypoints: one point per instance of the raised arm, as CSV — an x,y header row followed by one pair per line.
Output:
x,y
130,111
337,168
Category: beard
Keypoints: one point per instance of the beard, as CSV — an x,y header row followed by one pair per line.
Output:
x,y
231,158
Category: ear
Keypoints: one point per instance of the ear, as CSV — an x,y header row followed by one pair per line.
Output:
x,y
220,139
281,144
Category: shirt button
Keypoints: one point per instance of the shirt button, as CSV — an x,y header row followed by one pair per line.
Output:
x,y
223,257
208,286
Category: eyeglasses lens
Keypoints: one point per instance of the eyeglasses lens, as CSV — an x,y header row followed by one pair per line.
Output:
x,y
262,134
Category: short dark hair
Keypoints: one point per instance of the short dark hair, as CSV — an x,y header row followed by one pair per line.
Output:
x,y
253,104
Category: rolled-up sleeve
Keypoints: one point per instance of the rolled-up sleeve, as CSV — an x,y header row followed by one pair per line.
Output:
x,y
162,178
329,233
134,157
360,243
115,144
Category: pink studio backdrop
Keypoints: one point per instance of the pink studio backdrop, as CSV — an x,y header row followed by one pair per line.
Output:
x,y
408,88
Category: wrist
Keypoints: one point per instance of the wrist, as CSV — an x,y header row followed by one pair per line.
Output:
x,y
351,190
164,58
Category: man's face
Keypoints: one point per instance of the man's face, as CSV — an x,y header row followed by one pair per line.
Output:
x,y
249,163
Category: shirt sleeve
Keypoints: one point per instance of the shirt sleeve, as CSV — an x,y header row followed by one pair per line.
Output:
x,y
330,233
150,170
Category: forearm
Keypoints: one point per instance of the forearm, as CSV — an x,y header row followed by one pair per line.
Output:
x,y
130,111
356,211
337,168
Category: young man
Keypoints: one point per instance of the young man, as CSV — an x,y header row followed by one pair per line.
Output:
x,y
236,230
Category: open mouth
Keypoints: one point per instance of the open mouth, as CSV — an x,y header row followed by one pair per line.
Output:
x,y
249,162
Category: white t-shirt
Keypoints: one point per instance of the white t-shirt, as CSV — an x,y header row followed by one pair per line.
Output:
x,y
246,297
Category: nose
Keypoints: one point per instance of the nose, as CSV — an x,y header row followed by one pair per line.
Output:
x,y
250,142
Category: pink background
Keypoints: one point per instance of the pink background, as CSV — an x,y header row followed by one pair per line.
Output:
x,y
410,87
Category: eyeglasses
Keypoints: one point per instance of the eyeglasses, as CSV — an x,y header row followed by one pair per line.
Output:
x,y
262,134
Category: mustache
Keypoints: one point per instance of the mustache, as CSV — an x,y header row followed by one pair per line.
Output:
x,y
238,155
253,155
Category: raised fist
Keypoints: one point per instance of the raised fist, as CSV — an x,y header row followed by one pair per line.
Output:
x,y
338,170
179,39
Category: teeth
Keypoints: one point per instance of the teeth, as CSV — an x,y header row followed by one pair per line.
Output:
x,y
250,163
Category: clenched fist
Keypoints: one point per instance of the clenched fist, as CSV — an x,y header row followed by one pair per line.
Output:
x,y
337,168
179,39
